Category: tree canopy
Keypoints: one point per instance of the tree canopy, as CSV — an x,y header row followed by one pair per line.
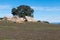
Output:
x,y
22,11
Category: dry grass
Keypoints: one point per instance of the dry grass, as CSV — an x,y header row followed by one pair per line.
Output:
x,y
29,31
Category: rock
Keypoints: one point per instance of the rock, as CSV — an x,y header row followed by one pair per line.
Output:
x,y
17,19
20,20
5,18
30,19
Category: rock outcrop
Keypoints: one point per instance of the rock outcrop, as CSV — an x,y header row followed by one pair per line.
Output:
x,y
19,20
29,19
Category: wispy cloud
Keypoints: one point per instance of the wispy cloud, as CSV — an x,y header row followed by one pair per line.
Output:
x,y
46,8
5,6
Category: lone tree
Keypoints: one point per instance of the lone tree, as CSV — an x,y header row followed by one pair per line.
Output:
x,y
22,11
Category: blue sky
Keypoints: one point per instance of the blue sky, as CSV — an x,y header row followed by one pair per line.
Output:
x,y
44,10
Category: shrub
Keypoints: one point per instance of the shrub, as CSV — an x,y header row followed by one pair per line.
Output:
x,y
38,21
45,22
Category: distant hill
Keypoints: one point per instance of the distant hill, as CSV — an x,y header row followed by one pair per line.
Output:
x,y
56,23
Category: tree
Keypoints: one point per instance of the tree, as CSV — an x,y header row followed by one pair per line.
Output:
x,y
22,11
14,11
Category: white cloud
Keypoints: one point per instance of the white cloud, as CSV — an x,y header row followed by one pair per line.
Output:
x,y
5,6
46,8
54,19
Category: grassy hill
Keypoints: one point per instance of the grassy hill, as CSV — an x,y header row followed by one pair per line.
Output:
x,y
29,31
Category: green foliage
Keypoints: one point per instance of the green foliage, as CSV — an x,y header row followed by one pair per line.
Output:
x,y
46,22
22,11
1,18
14,11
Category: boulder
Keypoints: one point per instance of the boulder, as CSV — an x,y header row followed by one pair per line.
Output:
x,y
5,18
30,19
17,19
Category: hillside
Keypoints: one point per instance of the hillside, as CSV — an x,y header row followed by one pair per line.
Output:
x,y
29,31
